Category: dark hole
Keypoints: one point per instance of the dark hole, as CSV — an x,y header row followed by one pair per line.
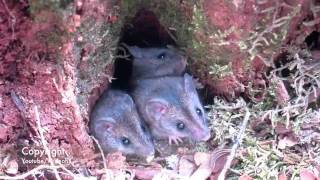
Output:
x,y
206,96
313,40
281,61
144,30
122,71
10,79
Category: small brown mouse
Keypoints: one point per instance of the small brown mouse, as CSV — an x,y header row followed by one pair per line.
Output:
x,y
156,62
171,107
115,123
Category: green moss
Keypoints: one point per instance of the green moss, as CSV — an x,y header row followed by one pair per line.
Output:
x,y
48,16
104,40
53,37
53,5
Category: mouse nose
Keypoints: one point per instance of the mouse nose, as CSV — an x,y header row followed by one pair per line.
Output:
x,y
149,152
149,158
203,135
207,137
150,155
182,63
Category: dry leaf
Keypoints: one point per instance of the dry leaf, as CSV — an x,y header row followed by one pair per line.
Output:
x,y
204,170
12,167
218,159
282,129
186,167
305,174
202,173
287,141
282,176
282,95
116,161
212,164
217,162
201,157
146,173
245,177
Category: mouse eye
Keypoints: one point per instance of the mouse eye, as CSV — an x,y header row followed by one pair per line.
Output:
x,y
125,141
180,126
161,56
199,112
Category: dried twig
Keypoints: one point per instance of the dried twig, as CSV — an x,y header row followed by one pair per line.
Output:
x,y
101,152
17,101
39,169
44,142
235,146
31,172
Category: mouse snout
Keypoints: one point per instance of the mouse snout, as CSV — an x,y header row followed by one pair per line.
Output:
x,y
149,153
182,63
149,158
147,150
203,135
206,137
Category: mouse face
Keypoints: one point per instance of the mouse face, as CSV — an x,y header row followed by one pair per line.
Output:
x,y
153,62
118,127
177,114
128,137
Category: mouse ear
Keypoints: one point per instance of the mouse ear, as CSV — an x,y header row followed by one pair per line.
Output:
x,y
189,85
156,108
135,51
106,124
128,101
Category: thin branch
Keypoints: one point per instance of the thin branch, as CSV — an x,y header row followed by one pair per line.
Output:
x,y
44,142
101,151
31,172
17,101
234,148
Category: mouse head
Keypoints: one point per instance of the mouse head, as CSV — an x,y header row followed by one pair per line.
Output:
x,y
181,115
124,131
129,138
152,62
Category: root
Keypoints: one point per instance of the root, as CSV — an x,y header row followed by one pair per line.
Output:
x,y
102,154
44,142
234,148
31,172
57,168
13,19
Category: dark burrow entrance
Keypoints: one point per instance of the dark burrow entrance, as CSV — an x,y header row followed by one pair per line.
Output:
x,y
313,40
312,43
144,30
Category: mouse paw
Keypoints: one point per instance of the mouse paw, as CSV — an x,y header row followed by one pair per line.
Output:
x,y
175,139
